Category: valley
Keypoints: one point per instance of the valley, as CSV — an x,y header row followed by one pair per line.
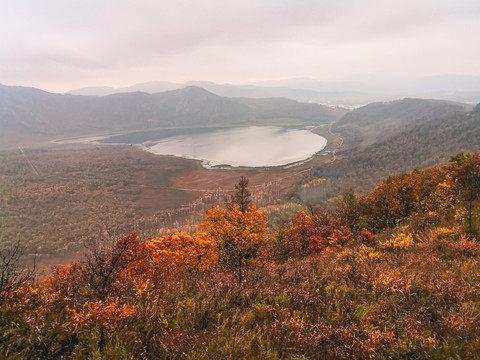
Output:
x,y
271,180
102,237
78,192
58,196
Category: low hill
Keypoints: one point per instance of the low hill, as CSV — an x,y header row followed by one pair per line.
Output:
x,y
29,111
368,124
431,143
425,145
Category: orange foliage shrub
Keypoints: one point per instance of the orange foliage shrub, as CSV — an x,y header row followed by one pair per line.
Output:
x,y
420,192
102,314
466,246
367,238
59,277
312,234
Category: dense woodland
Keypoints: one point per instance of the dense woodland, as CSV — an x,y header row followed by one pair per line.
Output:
x,y
393,274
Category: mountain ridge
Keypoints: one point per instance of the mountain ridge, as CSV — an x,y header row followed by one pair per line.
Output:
x,y
347,93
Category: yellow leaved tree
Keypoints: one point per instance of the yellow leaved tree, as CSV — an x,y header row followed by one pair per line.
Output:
x,y
240,233
181,254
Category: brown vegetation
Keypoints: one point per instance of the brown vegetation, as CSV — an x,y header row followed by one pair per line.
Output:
x,y
56,199
407,289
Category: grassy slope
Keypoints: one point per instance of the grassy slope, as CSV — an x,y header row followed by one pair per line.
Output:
x,y
412,294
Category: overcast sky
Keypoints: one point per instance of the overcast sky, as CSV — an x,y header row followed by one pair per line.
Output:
x,y
59,45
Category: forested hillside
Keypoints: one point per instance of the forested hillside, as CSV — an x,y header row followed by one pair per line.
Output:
x,y
390,275
429,143
377,121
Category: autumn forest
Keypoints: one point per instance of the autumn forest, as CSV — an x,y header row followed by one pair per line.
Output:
x,y
391,274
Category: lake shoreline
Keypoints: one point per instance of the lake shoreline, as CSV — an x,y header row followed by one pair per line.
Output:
x,y
223,148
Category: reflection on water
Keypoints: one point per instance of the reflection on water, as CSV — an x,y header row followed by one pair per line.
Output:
x,y
252,146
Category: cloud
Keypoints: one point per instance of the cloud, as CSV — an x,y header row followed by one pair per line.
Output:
x,y
67,44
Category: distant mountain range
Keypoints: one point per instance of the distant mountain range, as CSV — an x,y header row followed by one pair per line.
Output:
x,y
29,112
349,94
229,90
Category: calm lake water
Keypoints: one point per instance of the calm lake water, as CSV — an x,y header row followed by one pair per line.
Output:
x,y
253,146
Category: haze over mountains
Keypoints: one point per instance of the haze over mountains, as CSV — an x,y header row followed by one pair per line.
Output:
x,y
428,140
230,90
350,94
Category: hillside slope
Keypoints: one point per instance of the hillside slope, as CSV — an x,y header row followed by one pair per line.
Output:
x,y
430,143
368,124
377,278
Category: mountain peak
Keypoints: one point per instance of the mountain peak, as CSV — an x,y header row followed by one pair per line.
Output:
x,y
193,92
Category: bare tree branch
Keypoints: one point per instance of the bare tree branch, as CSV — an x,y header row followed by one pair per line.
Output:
x,y
13,271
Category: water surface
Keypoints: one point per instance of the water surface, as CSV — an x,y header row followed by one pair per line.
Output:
x,y
254,146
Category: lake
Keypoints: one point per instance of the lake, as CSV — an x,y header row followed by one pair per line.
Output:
x,y
254,146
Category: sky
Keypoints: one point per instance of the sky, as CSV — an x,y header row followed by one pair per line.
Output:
x,y
60,45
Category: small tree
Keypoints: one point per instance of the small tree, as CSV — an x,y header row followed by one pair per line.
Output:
x,y
181,254
240,237
468,182
240,233
347,209
107,261
13,272
241,196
